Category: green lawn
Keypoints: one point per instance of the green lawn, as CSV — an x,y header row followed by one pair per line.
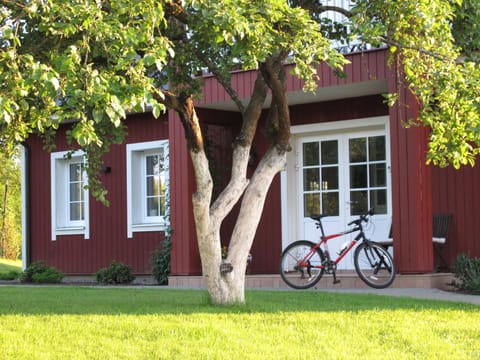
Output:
x,y
42,322
10,265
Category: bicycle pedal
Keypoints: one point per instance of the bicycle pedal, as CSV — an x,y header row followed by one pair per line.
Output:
x,y
336,282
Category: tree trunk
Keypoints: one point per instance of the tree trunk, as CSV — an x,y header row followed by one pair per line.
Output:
x,y
225,279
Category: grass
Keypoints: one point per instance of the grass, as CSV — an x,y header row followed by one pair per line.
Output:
x,y
10,265
42,322
10,269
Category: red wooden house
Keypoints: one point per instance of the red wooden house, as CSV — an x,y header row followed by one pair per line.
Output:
x,y
350,151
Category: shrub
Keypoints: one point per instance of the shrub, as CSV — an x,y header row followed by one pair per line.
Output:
x,y
161,262
39,272
11,275
116,273
49,276
467,271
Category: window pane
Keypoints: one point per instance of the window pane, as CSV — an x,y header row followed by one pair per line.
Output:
x,y
378,175
358,176
152,206
330,204
76,211
312,204
162,204
358,202
76,191
378,199
358,150
154,178
330,178
76,172
310,154
311,179
161,158
152,165
329,152
376,148
151,185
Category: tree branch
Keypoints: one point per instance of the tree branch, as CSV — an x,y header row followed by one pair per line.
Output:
x,y
175,9
183,105
420,50
252,112
224,81
274,74
238,182
316,7
325,8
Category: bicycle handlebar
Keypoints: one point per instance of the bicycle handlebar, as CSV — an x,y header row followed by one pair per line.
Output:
x,y
363,217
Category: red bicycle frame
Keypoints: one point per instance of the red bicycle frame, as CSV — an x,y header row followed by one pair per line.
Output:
x,y
323,241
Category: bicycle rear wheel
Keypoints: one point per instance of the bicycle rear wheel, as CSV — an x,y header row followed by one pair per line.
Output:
x,y
300,264
374,265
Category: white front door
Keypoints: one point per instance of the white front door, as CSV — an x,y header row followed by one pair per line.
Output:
x,y
341,174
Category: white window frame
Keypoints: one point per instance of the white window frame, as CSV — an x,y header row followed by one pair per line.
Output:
x,y
59,174
137,220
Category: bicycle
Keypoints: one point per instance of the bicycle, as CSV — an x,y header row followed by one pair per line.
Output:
x,y
303,262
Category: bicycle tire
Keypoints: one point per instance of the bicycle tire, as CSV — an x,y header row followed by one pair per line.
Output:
x,y
301,277
374,265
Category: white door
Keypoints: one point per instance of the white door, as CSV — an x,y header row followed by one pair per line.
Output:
x,y
342,176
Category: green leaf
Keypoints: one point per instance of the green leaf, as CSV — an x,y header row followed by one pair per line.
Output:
x,y
156,110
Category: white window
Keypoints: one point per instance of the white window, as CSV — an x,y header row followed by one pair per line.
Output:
x,y
69,199
147,186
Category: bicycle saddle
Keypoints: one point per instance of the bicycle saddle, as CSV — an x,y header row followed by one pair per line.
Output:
x,y
317,216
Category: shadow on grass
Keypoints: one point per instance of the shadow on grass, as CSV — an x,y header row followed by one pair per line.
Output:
x,y
53,300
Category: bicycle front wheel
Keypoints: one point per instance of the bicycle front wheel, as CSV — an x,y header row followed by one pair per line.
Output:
x,y
374,265
300,264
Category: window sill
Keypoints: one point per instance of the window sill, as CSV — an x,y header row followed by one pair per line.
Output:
x,y
147,227
80,230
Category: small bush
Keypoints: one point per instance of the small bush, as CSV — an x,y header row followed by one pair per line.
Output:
x,y
39,272
11,275
467,271
49,276
116,273
161,262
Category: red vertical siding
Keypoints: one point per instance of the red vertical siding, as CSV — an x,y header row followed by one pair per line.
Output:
x,y
411,189
365,66
108,228
457,192
336,110
267,244
185,255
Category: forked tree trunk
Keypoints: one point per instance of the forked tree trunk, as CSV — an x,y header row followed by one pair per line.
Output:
x,y
225,279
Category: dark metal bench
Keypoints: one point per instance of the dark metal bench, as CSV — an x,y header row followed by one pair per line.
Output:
x,y
440,226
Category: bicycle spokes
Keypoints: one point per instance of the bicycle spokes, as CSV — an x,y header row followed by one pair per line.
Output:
x,y
374,265
300,266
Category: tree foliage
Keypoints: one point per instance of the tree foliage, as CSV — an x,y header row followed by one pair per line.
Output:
x,y
420,37
466,27
77,61
92,61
